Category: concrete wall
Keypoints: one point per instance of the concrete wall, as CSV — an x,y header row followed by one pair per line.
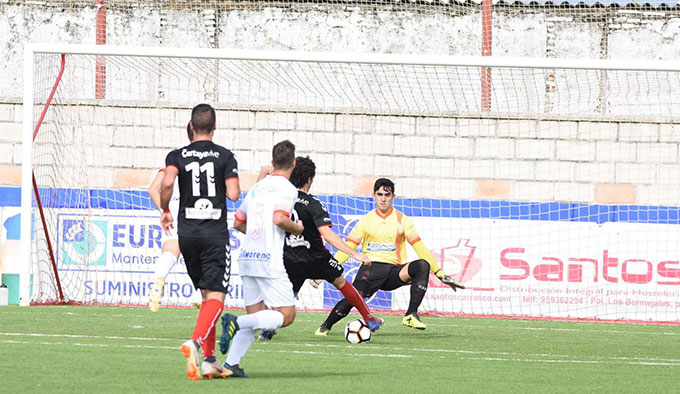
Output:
x,y
457,158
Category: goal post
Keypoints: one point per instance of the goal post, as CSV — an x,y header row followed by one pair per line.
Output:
x,y
545,203
26,180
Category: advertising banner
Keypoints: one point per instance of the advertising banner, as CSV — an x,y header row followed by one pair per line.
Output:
x,y
534,268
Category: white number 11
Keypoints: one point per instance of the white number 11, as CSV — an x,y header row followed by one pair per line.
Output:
x,y
209,169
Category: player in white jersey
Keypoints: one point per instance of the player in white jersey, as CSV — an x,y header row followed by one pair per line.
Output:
x,y
264,216
169,244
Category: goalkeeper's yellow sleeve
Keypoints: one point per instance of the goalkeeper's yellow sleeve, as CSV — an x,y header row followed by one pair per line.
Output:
x,y
424,253
342,256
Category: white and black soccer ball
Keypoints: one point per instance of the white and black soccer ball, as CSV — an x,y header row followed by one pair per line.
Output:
x,y
357,331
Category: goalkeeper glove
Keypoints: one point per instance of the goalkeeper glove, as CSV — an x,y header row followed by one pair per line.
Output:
x,y
449,281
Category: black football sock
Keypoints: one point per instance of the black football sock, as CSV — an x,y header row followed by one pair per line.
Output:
x,y
419,270
338,313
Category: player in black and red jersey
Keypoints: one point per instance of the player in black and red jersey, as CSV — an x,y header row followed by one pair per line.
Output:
x,y
305,255
207,175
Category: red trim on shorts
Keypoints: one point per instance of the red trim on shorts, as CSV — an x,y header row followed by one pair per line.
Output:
x,y
161,170
325,225
281,210
240,220
170,165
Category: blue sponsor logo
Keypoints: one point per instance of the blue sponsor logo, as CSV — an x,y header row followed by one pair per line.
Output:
x,y
136,235
84,243
250,255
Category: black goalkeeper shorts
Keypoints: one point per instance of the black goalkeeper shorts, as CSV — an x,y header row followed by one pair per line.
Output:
x,y
378,276
208,261
298,272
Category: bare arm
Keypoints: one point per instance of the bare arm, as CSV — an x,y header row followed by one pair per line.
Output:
x,y
166,186
342,256
334,239
283,221
264,171
166,193
233,188
155,189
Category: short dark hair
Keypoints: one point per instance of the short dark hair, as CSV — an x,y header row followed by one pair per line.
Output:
x,y
283,155
304,169
203,118
190,133
383,182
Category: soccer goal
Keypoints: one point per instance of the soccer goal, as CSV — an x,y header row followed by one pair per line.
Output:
x,y
548,187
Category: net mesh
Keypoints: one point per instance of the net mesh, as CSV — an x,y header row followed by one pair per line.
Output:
x,y
568,29
552,203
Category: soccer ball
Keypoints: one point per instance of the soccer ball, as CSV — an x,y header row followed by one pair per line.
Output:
x,y
357,331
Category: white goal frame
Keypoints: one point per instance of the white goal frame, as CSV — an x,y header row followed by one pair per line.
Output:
x,y
318,57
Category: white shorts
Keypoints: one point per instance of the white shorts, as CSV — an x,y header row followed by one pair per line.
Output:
x,y
275,292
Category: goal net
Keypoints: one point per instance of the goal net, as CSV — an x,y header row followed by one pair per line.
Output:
x,y
547,187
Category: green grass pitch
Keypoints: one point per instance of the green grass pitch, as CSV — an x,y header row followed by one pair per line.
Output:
x,y
82,349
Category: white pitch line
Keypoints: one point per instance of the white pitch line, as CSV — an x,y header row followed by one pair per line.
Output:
x,y
576,330
490,327
573,361
500,356
594,331
472,352
327,353
533,328
176,348
88,344
17,334
537,360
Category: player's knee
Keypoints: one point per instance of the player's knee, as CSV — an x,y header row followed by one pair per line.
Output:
x,y
418,268
288,317
339,282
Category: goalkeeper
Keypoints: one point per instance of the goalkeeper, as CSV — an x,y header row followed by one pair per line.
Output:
x,y
383,232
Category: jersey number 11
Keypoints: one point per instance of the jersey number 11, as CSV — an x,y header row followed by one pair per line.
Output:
x,y
209,169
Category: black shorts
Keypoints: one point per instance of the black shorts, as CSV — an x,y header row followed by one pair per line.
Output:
x,y
378,276
298,272
208,261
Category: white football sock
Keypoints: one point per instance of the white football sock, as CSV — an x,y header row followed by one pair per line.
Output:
x,y
165,264
240,344
261,320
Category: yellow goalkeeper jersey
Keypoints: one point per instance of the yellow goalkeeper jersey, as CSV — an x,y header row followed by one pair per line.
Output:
x,y
383,236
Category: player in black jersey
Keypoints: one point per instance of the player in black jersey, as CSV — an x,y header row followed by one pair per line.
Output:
x,y
305,256
207,173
